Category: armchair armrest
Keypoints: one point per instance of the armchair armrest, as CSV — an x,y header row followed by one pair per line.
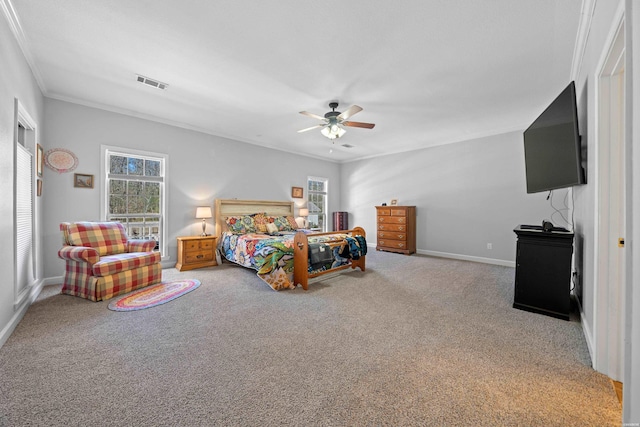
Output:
x,y
140,245
79,253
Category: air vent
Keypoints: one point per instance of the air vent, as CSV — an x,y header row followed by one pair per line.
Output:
x,y
151,82
347,145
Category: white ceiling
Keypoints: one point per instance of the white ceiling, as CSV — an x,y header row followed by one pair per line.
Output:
x,y
426,72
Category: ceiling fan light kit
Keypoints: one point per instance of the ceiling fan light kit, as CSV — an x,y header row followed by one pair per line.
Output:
x,y
334,121
332,132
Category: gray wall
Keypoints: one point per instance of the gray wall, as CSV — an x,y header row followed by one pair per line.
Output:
x,y
201,168
467,194
16,81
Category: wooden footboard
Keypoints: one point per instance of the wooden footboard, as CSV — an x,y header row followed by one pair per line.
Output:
x,y
301,275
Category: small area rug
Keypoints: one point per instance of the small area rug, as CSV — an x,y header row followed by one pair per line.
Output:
x,y
154,295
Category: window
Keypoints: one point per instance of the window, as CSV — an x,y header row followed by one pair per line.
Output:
x,y
135,193
317,193
24,207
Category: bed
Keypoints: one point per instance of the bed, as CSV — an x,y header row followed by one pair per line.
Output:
x,y
287,257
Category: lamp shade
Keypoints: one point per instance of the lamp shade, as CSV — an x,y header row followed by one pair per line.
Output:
x,y
203,212
303,212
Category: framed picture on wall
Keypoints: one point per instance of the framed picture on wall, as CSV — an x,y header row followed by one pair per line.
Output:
x,y
81,180
39,160
297,192
39,188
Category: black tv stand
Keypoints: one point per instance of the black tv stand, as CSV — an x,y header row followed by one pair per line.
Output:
x,y
539,228
543,270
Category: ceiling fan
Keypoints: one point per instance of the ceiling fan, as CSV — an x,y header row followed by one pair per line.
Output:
x,y
334,121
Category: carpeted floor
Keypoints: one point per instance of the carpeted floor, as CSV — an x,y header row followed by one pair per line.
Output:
x,y
415,341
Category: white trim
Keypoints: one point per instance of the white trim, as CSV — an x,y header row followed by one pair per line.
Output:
x,y
16,28
586,331
606,357
471,258
20,311
584,27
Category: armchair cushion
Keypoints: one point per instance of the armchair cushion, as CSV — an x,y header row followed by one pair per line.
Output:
x,y
140,245
108,238
111,264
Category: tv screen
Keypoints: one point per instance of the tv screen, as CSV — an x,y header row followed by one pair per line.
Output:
x,y
552,146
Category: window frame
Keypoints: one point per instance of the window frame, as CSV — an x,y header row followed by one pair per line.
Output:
x,y
325,193
106,151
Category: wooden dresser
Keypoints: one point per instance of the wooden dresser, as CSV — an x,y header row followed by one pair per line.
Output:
x,y
396,229
196,252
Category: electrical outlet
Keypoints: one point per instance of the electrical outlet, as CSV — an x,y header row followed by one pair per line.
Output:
x,y
489,245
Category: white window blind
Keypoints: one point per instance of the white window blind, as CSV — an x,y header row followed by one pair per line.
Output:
x,y
24,221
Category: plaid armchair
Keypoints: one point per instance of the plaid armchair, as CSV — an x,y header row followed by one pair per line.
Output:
x,y
101,262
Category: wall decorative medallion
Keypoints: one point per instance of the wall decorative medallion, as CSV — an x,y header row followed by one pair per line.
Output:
x,y
60,160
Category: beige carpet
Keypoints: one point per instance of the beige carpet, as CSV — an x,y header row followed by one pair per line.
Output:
x,y
413,341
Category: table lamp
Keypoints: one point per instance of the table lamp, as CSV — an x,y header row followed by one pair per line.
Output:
x,y
204,212
303,214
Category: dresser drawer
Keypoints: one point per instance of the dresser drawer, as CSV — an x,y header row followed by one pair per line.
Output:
x,y
396,244
198,245
192,246
392,235
384,211
398,212
392,227
207,243
198,256
392,219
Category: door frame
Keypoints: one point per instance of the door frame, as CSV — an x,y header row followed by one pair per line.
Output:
x,y
609,297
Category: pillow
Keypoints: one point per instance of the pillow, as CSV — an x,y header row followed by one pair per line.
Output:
x,y
292,222
282,223
261,220
272,227
108,238
240,224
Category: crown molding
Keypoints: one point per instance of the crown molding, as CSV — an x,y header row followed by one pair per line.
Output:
x,y
16,28
584,27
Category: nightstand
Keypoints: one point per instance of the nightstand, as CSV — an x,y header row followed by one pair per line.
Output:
x,y
196,252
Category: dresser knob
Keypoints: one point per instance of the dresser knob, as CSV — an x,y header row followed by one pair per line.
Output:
x,y
200,256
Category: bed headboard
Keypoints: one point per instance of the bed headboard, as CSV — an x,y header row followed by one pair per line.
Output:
x,y
235,207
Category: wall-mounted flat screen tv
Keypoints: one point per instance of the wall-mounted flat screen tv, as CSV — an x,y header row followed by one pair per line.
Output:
x,y
552,146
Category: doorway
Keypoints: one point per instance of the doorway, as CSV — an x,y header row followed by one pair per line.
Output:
x,y
610,212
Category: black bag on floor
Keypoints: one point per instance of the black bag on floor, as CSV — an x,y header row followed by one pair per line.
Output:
x,y
320,255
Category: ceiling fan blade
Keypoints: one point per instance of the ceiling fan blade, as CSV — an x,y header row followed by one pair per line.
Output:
x,y
315,116
349,112
359,125
311,128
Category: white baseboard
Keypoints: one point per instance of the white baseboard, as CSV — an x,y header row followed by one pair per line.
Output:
x,y
20,310
586,331
483,260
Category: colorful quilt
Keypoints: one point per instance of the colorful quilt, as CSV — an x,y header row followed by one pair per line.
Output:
x,y
272,256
